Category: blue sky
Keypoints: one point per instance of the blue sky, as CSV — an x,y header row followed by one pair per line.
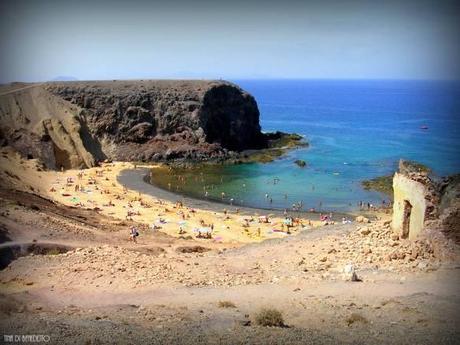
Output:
x,y
40,40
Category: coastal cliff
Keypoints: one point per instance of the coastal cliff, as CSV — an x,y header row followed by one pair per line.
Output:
x,y
76,124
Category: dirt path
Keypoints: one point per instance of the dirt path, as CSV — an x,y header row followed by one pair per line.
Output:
x,y
20,89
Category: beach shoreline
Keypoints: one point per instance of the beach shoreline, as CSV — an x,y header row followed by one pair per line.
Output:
x,y
101,190
136,179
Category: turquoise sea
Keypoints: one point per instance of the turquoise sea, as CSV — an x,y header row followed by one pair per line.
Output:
x,y
356,130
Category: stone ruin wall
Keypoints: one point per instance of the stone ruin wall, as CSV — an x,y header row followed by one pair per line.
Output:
x,y
407,190
416,188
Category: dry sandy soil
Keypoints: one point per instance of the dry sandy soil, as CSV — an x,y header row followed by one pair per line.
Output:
x,y
84,282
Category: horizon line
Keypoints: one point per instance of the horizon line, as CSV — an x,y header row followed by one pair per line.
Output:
x,y
238,79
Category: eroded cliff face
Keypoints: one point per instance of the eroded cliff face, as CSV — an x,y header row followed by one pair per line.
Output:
x,y
75,124
39,125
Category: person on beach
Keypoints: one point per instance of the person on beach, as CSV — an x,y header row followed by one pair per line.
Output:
x,y
133,233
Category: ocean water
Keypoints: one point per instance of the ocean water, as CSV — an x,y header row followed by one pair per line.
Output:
x,y
356,130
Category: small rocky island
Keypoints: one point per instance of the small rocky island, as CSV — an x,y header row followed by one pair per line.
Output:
x,y
77,124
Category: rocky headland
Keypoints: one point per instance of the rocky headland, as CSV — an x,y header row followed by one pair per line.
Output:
x,y
77,124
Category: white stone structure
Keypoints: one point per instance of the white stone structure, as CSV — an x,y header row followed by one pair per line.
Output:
x,y
409,206
415,200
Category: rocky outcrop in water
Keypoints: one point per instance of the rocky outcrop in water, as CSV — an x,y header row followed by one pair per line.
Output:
x,y
76,124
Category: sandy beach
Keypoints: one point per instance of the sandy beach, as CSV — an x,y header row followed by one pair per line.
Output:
x,y
114,190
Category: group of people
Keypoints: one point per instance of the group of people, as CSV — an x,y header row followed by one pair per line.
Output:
x,y
371,207
185,213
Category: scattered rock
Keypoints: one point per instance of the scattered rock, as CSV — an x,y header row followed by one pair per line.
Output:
x,y
192,249
365,231
349,274
362,219
301,163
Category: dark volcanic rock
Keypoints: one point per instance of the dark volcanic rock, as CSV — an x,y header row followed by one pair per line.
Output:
x,y
163,120
301,163
77,124
30,143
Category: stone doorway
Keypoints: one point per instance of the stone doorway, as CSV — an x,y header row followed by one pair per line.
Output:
x,y
406,219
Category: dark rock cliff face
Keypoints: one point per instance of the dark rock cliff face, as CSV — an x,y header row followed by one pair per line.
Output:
x,y
159,120
231,118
